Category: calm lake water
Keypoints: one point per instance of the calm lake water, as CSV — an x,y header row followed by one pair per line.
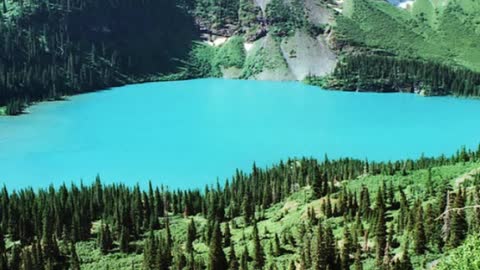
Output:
x,y
188,133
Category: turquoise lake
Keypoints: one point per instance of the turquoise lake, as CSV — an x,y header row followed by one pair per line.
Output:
x,y
185,134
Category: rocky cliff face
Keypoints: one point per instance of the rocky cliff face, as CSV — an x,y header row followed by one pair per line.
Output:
x,y
295,55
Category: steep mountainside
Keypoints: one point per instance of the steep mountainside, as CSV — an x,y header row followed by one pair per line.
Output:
x,y
64,47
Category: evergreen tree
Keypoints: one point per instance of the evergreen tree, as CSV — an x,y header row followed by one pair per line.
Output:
x,y
358,260
244,259
124,240
459,226
420,240
74,261
258,253
150,252
380,229
15,260
191,235
277,249
27,263
105,241
227,235
347,249
217,259
232,259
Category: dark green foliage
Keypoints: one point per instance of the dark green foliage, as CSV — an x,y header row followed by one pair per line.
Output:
x,y
231,54
258,252
200,62
124,239
217,13
14,107
27,263
217,259
74,261
232,259
64,47
358,264
15,260
285,18
347,249
459,226
380,229
191,235
247,13
420,240
105,240
277,249
391,74
150,252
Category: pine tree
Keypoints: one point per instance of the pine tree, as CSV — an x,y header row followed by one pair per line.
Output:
x,y
150,252
217,260
232,259
247,211
258,253
277,249
27,263
459,226
124,240
292,265
347,249
244,259
105,241
191,235
320,252
380,230
358,259
74,261
227,236
405,263
330,248
15,260
420,241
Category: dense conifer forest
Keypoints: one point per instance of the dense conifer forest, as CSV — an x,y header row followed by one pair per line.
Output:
x,y
298,214
55,48
361,72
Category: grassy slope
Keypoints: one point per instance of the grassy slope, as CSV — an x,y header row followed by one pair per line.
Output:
x,y
285,217
432,30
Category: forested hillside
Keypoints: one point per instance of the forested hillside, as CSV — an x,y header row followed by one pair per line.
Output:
x,y
299,214
431,47
55,48
58,48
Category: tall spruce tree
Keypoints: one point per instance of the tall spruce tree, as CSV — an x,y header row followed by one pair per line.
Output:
x,y
420,241
191,235
380,230
74,260
258,252
347,249
216,256
459,226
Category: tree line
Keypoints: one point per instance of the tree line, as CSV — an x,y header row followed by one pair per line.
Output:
x,y
382,73
43,226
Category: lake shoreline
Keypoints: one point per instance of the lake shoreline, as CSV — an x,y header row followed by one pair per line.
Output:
x,y
180,77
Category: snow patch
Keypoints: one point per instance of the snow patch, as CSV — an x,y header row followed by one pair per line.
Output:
x,y
405,4
248,46
217,41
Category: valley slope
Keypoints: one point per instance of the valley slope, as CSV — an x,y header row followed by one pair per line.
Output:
x,y
63,47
